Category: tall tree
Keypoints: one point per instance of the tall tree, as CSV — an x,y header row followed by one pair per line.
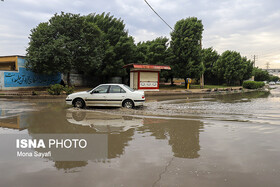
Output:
x,y
119,47
65,42
248,69
169,60
152,52
209,57
186,46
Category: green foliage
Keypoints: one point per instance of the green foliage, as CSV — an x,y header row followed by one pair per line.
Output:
x,y
273,78
152,52
261,75
55,89
185,45
65,42
68,89
155,52
99,45
248,71
118,46
209,58
232,69
253,84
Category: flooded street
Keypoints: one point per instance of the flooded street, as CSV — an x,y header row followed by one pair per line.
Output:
x,y
221,140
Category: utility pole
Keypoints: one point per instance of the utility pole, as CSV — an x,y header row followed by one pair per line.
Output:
x,y
255,58
267,65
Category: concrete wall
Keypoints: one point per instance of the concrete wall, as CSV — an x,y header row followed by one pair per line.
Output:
x,y
23,78
1,80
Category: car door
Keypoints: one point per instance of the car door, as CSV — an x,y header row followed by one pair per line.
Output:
x,y
115,96
97,97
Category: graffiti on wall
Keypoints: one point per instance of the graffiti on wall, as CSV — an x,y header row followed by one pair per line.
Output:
x,y
25,78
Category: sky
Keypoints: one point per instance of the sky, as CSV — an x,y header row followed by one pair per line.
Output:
x,y
251,27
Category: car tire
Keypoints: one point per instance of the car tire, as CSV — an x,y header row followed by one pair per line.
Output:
x,y
128,104
79,103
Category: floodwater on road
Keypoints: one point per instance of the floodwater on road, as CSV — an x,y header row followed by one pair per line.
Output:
x,y
221,140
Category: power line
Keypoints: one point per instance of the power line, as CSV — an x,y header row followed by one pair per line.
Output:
x,y
158,15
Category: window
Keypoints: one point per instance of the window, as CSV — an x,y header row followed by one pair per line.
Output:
x,y
8,66
101,89
116,89
130,89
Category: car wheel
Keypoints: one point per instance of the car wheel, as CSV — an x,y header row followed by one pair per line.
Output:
x,y
79,103
128,104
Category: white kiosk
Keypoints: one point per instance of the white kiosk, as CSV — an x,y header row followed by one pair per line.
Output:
x,y
145,77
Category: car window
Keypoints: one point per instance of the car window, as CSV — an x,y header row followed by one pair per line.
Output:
x,y
130,89
116,89
101,89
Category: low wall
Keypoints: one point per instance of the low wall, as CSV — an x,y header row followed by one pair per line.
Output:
x,y
23,78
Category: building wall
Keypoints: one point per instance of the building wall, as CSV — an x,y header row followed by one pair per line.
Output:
x,y
135,80
131,80
23,78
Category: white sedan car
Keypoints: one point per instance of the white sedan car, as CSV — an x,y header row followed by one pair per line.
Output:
x,y
117,95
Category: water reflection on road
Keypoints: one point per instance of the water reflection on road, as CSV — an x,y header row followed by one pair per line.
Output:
x,y
223,140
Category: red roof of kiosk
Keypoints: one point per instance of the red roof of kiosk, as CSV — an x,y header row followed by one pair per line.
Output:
x,y
146,66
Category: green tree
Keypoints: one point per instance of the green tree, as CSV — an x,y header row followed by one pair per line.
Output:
x,y
169,60
66,42
209,57
152,52
260,75
185,44
273,78
248,69
232,68
141,56
119,47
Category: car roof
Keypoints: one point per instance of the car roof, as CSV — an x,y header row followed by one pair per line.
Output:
x,y
111,84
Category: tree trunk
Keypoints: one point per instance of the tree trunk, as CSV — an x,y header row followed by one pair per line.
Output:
x,y
68,79
202,81
172,82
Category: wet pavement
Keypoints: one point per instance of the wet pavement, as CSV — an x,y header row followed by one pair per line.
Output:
x,y
222,140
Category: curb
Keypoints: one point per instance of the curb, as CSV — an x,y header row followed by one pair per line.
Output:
x,y
147,94
18,96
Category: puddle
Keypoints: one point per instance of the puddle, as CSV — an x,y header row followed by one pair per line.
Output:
x,y
216,141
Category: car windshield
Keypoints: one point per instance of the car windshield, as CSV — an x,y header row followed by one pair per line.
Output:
x,y
130,89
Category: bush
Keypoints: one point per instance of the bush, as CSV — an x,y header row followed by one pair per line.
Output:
x,y
68,89
55,89
253,84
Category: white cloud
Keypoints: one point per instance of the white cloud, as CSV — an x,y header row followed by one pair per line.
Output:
x,y
144,35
